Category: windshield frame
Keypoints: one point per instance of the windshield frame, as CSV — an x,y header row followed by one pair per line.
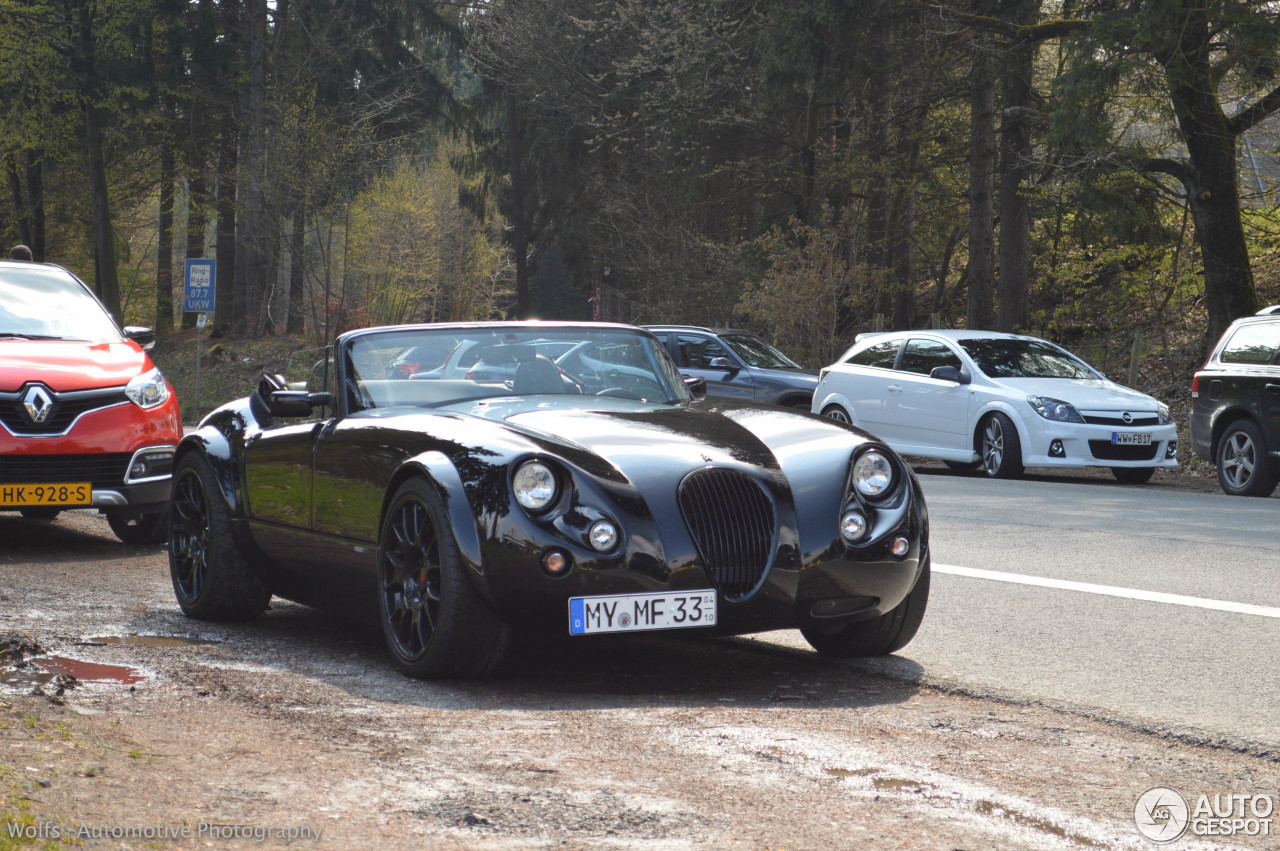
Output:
x,y
361,367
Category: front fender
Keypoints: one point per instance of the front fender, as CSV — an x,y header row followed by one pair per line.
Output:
x,y
840,399
1024,437
447,482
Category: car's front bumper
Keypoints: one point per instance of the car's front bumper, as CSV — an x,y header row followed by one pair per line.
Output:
x,y
1054,444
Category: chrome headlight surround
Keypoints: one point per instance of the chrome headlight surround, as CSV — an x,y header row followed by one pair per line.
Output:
x,y
874,475
1055,409
535,486
148,390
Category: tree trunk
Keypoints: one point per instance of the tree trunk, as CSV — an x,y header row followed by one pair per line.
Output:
x,y
164,243
197,222
35,202
225,250
1213,195
295,323
104,248
519,219
1016,174
982,168
253,231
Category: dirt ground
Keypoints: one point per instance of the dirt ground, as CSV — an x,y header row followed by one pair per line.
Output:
x,y
295,731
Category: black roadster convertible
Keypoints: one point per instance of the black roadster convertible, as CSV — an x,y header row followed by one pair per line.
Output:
x,y
457,481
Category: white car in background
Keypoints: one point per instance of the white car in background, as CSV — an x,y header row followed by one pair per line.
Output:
x,y
996,401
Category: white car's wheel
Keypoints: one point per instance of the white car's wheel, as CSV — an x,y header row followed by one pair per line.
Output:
x,y
1001,447
837,413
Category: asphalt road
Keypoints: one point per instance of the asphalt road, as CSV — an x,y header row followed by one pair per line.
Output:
x,y
1173,666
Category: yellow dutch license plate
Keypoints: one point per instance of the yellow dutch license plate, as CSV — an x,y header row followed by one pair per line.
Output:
x,y
57,493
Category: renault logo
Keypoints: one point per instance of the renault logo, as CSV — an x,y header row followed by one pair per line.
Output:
x,y
38,404
1127,417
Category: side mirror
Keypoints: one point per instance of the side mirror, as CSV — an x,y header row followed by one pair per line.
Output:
x,y
697,386
949,373
722,363
297,403
144,337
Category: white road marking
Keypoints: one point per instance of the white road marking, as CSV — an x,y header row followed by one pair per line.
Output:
x,y
1109,590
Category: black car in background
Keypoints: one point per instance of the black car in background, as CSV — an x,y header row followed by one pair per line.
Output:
x,y
738,365
1235,406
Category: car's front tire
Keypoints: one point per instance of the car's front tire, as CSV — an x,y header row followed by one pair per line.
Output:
x,y
132,527
885,634
434,621
838,414
1001,448
1133,475
212,580
1244,466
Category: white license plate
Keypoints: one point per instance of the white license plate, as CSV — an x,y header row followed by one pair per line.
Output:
x,y
640,612
1129,438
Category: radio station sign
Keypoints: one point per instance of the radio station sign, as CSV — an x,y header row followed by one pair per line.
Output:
x,y
198,294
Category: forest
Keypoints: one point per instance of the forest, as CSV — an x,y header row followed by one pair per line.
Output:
x,y
808,169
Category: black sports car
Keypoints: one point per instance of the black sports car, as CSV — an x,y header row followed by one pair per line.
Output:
x,y
594,494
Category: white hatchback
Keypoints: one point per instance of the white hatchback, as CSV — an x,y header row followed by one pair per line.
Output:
x,y
1001,402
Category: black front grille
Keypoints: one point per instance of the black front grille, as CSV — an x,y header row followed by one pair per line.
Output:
x,y
1117,421
66,407
731,520
105,470
1105,450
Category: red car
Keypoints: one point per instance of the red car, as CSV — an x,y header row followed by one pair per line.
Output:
x,y
86,419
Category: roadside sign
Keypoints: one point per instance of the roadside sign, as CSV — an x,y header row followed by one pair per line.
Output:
x,y
202,319
198,295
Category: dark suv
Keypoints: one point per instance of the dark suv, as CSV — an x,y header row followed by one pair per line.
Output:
x,y
738,365
1235,406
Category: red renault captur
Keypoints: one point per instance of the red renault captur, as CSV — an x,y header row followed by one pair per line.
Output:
x,y
86,419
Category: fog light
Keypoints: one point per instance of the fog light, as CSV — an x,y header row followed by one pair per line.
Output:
x,y
1056,450
555,563
900,546
852,526
1171,451
603,536
151,463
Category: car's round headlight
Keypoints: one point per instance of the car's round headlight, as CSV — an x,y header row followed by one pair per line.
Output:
x,y
534,485
148,390
852,526
603,536
873,474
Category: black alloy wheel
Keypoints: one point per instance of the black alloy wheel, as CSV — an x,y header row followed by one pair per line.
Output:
x,y
1001,447
433,619
1244,465
189,537
211,578
411,579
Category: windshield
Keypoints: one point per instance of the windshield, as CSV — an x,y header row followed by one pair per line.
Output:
x,y
757,352
1025,359
47,303
402,366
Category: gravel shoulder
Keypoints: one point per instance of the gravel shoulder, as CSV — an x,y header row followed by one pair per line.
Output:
x,y
298,722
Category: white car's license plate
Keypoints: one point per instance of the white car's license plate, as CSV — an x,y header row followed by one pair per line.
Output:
x,y
639,612
1129,438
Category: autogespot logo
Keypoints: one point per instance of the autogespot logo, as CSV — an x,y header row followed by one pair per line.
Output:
x,y
1161,814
